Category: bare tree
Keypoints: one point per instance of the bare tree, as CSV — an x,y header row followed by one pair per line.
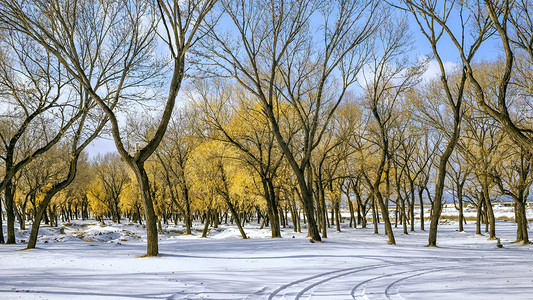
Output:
x,y
35,101
117,37
391,75
434,20
272,53
514,25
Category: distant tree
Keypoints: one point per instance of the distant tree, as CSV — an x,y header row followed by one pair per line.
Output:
x,y
240,122
111,177
173,157
459,172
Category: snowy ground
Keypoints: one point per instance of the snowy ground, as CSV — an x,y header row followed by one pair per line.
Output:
x,y
88,261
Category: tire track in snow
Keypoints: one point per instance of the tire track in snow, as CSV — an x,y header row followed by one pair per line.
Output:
x,y
306,287
392,290
300,287
304,280
364,285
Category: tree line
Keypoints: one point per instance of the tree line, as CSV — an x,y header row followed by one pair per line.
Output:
x,y
290,113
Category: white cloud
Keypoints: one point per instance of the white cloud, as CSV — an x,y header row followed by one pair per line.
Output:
x,y
433,70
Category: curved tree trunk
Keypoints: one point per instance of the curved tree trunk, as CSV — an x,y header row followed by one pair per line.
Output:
x,y
149,212
73,168
386,219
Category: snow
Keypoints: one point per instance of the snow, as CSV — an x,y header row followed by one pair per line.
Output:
x,y
88,261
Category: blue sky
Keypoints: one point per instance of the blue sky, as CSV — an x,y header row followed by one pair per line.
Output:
x,y
490,50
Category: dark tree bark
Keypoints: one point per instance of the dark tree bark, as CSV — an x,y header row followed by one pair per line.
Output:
x,y
2,241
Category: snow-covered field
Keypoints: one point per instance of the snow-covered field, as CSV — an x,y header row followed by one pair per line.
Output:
x,y
88,261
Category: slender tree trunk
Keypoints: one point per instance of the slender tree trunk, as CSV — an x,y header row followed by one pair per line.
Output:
x,y
404,217
188,217
295,215
206,224
21,215
2,241
412,209
479,215
490,212
272,203
10,211
362,212
353,222
324,212
235,215
396,214
460,199
319,215
337,215
282,218
374,215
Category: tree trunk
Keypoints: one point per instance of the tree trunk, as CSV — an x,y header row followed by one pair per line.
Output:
x,y
9,193
337,215
235,215
439,188
206,224
396,213
272,204
374,215
149,212
2,241
421,199
479,214
295,215
324,211
308,205
412,206
404,217
521,222
188,219
460,200
353,221
490,212
386,220
21,215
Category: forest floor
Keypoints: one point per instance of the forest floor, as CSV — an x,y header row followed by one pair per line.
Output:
x,y
84,260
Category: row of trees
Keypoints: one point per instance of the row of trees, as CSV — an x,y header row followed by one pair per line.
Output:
x,y
293,107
